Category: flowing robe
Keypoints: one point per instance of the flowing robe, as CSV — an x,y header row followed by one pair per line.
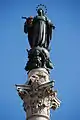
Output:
x,y
41,32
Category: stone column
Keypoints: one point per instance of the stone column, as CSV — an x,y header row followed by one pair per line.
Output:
x,y
37,95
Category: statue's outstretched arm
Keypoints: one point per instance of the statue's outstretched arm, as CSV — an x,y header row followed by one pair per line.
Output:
x,y
50,23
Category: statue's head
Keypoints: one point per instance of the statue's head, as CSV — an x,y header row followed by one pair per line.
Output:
x,y
40,12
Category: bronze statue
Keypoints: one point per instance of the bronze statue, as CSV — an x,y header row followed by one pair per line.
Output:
x,y
39,30
42,30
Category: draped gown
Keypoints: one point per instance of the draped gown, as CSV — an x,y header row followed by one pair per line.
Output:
x,y
41,32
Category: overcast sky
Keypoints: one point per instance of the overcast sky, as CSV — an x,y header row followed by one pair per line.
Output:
x,y
65,54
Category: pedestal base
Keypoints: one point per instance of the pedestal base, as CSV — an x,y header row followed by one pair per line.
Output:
x,y
38,96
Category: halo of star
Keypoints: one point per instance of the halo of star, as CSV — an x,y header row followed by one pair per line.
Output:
x,y
43,7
